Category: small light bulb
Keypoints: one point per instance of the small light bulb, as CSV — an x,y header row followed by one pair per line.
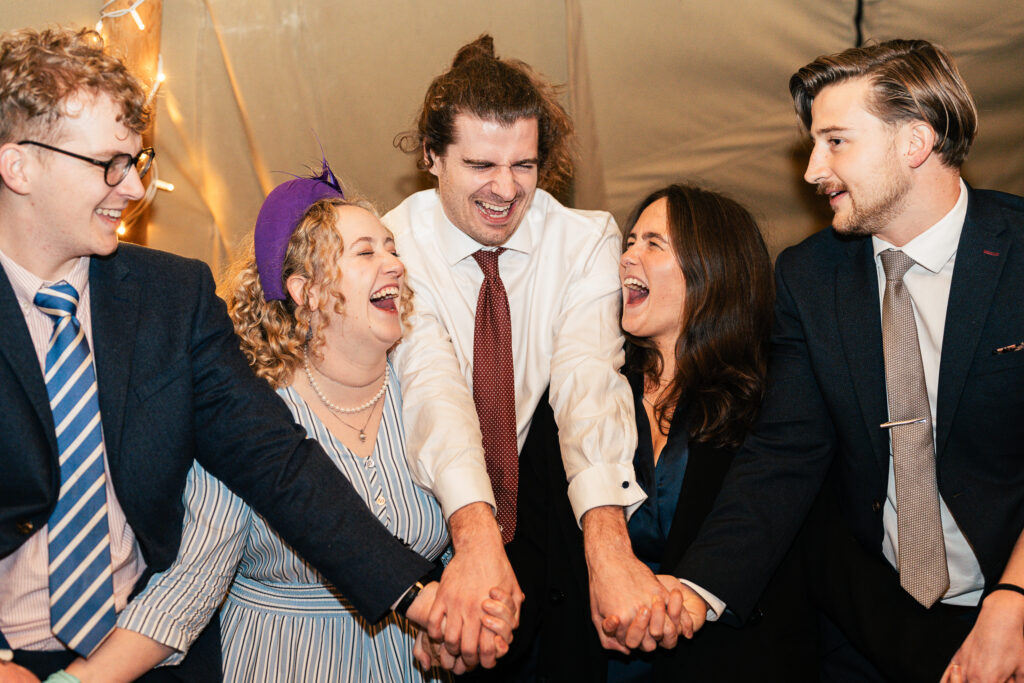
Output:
x,y
165,186
122,229
138,20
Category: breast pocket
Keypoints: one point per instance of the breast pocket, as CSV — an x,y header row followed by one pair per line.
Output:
x,y
999,377
177,375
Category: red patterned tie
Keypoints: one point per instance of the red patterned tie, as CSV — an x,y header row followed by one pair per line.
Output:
x,y
494,390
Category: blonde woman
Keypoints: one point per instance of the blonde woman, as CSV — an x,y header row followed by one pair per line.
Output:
x,y
317,303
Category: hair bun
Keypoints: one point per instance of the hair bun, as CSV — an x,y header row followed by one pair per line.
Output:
x,y
479,48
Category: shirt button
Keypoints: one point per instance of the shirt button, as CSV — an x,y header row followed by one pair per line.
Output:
x,y
876,506
625,484
380,500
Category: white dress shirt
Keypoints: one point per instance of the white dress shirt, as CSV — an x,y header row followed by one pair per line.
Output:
x,y
560,271
24,574
928,282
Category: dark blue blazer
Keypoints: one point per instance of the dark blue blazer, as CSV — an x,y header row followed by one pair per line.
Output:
x,y
173,387
827,399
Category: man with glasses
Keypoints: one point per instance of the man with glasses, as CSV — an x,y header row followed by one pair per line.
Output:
x,y
116,168
118,367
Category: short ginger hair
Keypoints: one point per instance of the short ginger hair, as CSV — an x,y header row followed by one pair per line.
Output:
x,y
41,70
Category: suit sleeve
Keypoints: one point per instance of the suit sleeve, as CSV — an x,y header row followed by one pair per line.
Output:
x,y
775,476
246,437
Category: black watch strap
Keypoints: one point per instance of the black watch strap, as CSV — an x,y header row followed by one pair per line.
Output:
x,y
410,596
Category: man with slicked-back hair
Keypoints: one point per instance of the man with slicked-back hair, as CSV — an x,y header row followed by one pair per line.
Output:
x,y
896,371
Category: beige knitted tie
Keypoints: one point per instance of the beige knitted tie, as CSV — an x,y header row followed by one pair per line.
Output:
x,y
922,552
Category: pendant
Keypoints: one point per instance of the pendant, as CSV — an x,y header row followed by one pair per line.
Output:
x,y
362,435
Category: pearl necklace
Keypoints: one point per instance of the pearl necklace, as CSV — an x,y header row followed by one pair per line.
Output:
x,y
339,409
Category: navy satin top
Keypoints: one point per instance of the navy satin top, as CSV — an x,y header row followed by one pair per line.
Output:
x,y
650,524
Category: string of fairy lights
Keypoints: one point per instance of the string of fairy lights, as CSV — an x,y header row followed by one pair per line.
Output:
x,y
132,11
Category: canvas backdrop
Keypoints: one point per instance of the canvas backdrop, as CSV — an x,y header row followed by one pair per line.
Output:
x,y
661,91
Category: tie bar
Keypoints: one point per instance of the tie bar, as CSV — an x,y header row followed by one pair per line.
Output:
x,y
900,423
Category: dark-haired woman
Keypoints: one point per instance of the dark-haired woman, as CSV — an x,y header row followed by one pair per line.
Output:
x,y
697,308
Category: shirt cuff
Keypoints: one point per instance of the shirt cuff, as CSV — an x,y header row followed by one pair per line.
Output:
x,y
459,485
716,608
161,627
605,484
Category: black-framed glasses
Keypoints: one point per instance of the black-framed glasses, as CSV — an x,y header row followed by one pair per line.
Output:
x,y
116,168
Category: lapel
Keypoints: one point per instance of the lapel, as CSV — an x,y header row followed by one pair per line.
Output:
x,y
115,313
706,468
858,317
16,347
980,257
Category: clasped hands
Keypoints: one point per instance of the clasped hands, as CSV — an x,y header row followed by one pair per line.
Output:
x,y
656,620
631,607
467,619
481,641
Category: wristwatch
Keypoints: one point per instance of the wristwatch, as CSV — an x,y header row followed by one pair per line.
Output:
x,y
410,597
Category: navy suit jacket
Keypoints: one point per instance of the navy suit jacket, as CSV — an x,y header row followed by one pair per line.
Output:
x,y
173,387
827,398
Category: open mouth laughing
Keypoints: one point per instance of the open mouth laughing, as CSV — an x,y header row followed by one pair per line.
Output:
x,y
495,212
636,290
385,299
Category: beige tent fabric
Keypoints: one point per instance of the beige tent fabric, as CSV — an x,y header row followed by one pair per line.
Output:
x,y
661,90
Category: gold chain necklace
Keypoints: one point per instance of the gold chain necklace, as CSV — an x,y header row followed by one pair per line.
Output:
x,y
362,430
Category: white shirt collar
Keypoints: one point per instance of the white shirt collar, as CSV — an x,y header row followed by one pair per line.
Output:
x,y
933,248
457,245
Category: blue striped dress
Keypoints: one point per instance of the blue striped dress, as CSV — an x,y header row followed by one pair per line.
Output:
x,y
280,620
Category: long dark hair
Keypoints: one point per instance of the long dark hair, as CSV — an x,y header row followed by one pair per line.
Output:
x,y
721,353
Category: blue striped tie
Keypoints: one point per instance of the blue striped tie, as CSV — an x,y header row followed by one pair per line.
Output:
x,y
81,589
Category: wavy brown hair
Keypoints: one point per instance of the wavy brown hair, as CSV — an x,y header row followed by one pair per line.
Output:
x,y
493,89
722,348
276,335
911,80
41,70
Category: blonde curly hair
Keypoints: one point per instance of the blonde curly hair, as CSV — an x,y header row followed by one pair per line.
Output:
x,y
276,335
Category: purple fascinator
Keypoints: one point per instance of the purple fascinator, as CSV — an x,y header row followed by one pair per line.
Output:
x,y
280,214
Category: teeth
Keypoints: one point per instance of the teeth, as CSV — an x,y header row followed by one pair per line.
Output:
x,y
496,208
112,213
385,293
634,283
